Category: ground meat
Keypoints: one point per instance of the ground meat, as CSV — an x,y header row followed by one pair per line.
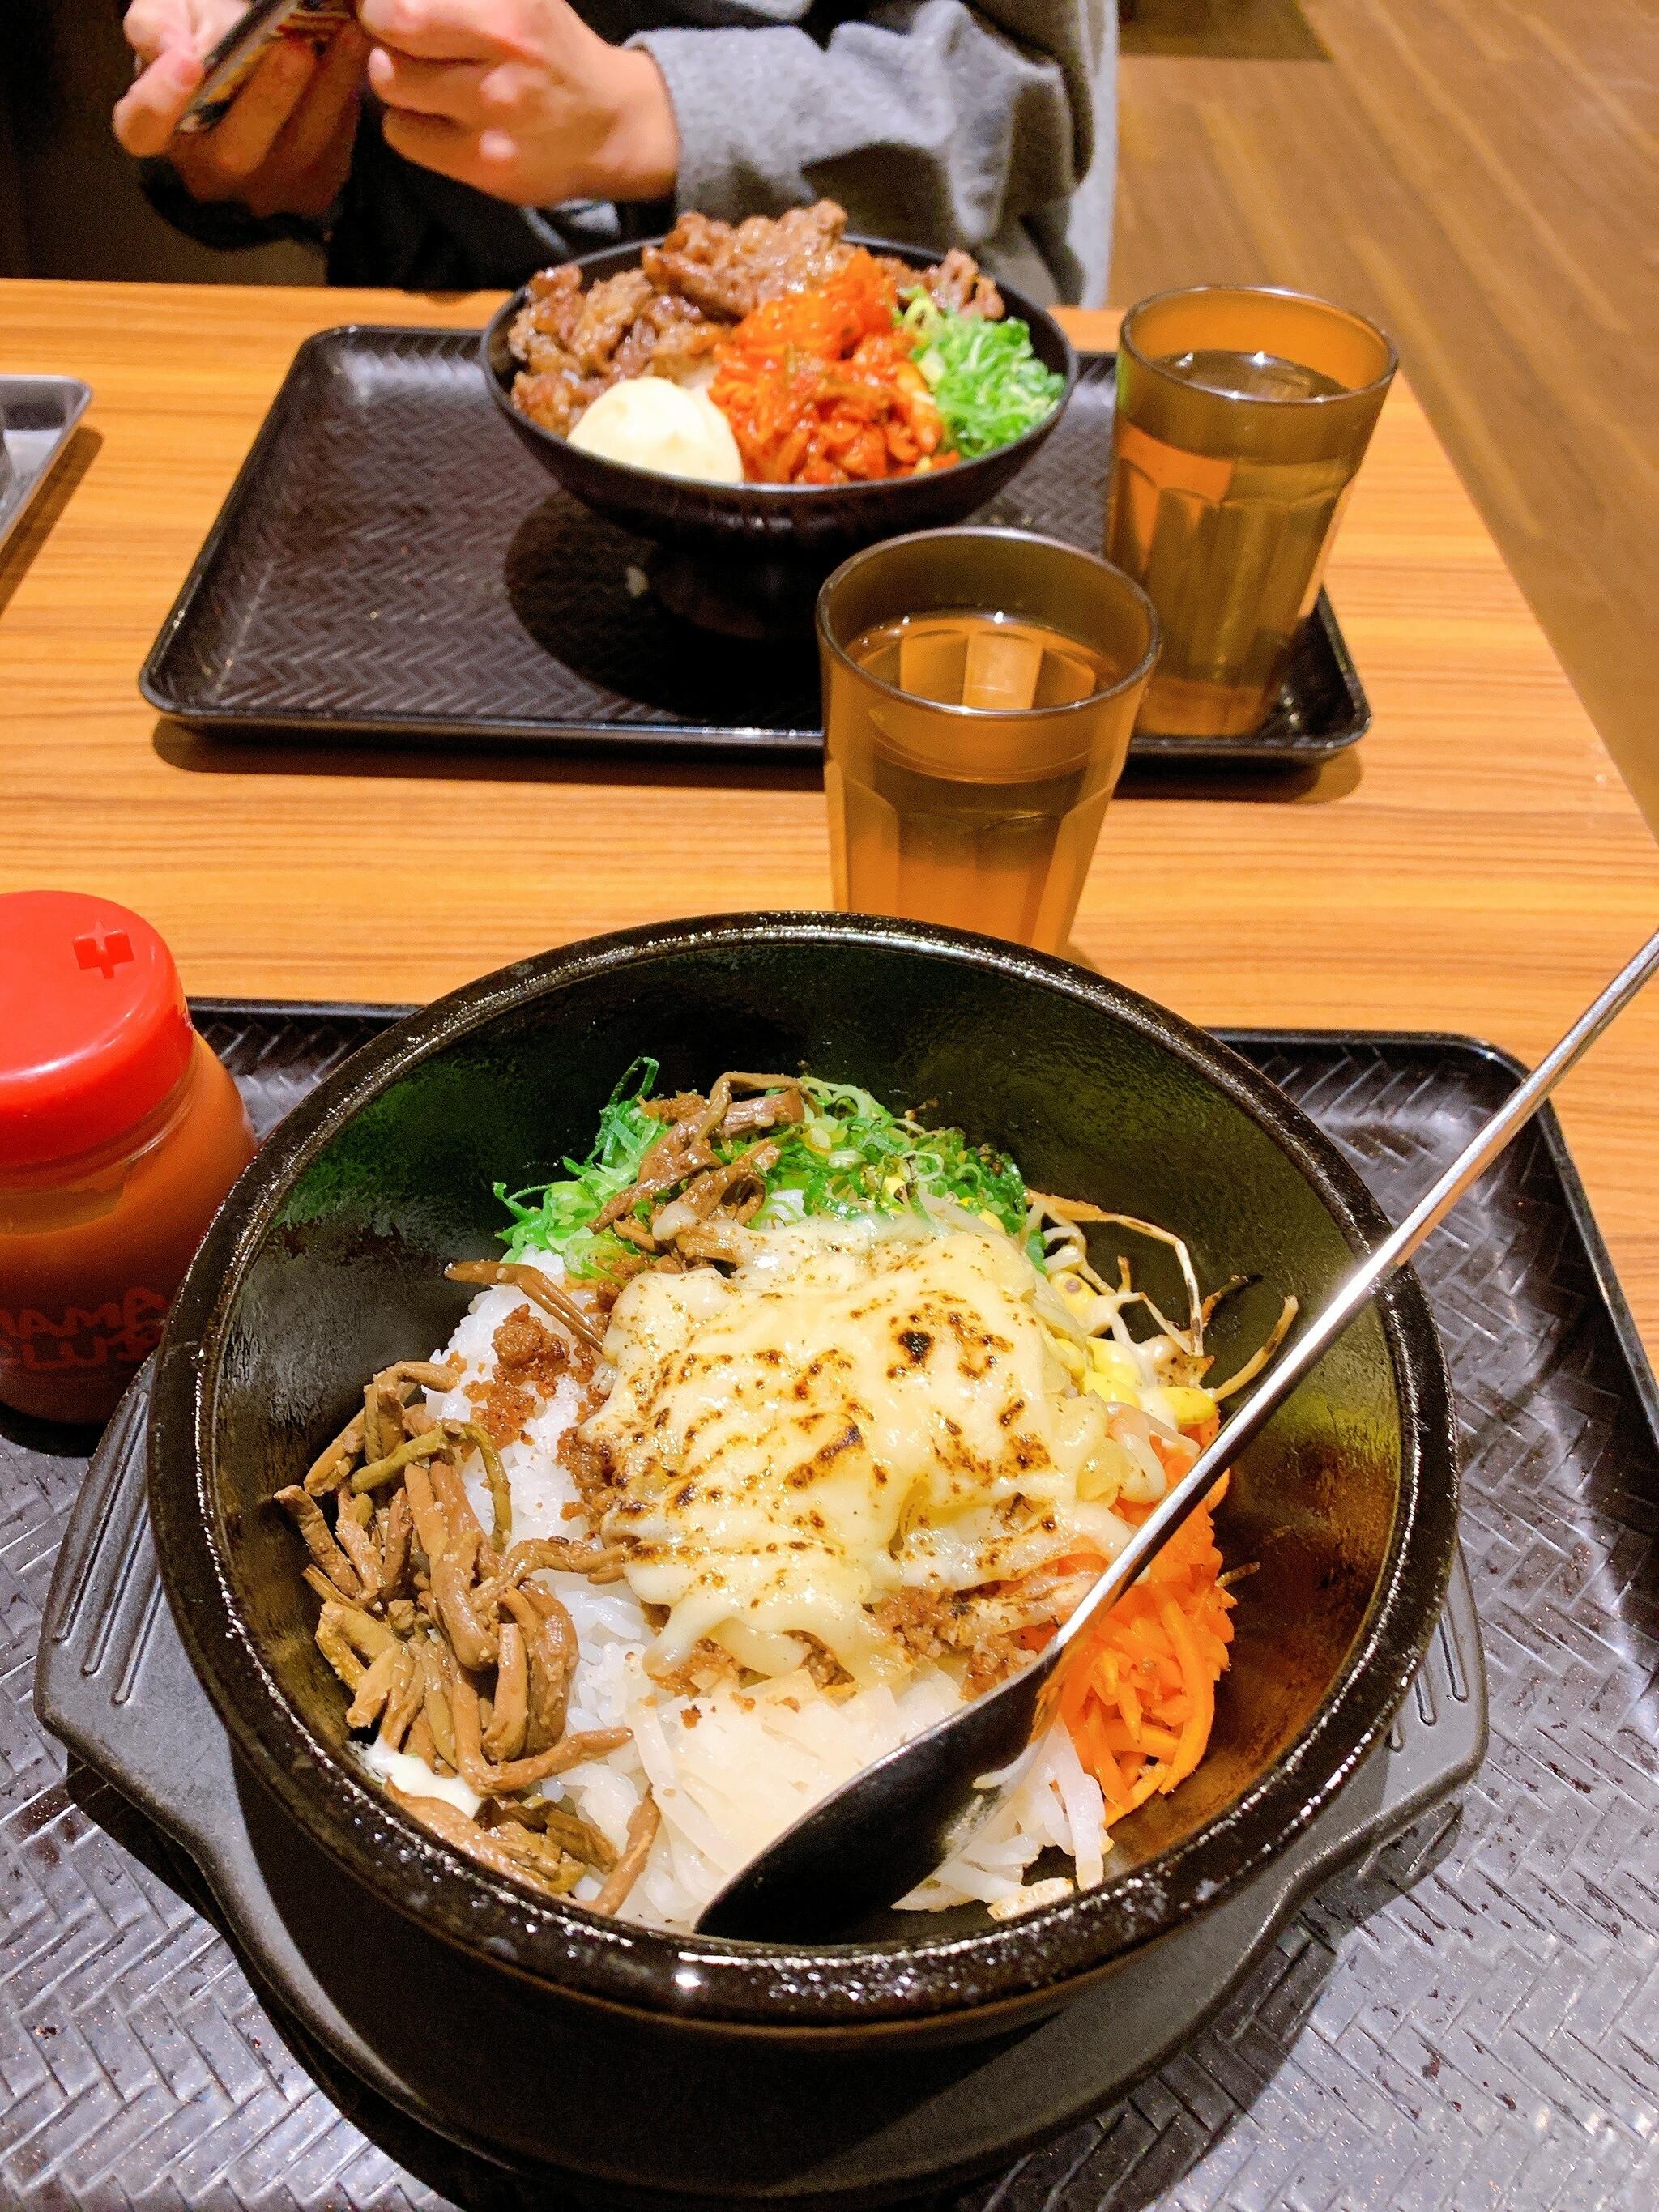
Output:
x,y
706,1668
932,1624
593,1298
919,1620
530,1361
590,1468
525,1346
822,1664
683,1102
992,1661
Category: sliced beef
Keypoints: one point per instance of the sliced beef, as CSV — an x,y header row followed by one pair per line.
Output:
x,y
728,271
669,316
959,283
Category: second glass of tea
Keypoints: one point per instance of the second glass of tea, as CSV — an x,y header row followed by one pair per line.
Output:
x,y
980,688
1242,416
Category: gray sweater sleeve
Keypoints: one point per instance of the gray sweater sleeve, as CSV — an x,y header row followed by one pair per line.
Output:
x,y
927,119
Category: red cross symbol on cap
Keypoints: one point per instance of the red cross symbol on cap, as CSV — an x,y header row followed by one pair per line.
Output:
x,y
104,949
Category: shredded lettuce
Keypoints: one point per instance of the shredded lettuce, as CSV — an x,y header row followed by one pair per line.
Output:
x,y
987,383
851,1156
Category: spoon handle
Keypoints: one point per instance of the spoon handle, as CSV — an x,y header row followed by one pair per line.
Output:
x,y
1308,1349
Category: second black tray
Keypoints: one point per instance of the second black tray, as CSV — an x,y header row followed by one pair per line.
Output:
x,y
809,2133
390,564
1466,2019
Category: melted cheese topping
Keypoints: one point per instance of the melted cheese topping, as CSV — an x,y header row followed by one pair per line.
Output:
x,y
851,1413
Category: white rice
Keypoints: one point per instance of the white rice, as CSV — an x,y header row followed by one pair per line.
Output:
x,y
732,1769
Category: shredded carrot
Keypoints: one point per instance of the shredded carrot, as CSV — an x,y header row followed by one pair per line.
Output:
x,y
1140,1705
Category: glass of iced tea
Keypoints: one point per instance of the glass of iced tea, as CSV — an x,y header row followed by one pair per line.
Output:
x,y
1242,415
980,688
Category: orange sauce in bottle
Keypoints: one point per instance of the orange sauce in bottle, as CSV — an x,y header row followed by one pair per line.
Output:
x,y
120,1132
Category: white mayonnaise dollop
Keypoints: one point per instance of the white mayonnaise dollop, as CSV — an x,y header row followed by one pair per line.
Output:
x,y
650,424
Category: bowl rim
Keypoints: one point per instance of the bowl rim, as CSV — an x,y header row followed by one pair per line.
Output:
x,y
626,254
798,1991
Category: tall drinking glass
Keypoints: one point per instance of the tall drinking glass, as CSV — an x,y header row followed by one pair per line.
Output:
x,y
980,688
1242,415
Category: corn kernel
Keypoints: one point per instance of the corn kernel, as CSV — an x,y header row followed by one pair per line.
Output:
x,y
1187,1408
1112,1373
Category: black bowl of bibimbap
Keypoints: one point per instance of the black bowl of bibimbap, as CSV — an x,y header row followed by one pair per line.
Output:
x,y
762,400
693,1126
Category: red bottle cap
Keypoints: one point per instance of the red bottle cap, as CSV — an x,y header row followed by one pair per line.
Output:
x,y
94,1028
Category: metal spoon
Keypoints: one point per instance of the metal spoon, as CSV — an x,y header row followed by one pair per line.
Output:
x,y
879,1834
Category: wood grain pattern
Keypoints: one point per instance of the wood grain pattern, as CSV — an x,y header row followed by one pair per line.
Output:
x,y
1479,176
1477,865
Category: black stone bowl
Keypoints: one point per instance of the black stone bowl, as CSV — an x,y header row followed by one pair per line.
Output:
x,y
327,1262
748,558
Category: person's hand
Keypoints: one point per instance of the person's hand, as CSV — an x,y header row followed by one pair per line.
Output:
x,y
520,99
285,146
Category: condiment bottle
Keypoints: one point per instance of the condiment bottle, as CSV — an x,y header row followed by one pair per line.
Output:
x,y
120,1132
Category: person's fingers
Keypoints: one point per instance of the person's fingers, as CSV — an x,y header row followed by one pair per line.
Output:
x,y
451,149
441,30
463,91
311,130
147,114
236,147
153,27
212,19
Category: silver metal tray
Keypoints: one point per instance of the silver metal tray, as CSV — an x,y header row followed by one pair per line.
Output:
x,y
38,415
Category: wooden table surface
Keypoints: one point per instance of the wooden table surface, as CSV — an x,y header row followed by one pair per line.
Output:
x,y
1475,865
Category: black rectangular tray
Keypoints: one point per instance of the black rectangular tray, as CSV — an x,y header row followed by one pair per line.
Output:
x,y
113,1684
391,563
1464,2017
